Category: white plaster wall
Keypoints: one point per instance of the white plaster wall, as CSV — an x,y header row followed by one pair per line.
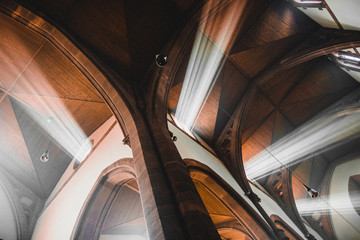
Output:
x,y
58,219
322,17
96,137
339,199
7,220
188,148
347,12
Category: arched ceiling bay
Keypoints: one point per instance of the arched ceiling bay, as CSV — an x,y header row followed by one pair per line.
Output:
x,y
36,79
285,101
265,36
126,35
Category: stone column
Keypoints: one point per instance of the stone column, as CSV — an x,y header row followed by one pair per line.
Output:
x,y
172,206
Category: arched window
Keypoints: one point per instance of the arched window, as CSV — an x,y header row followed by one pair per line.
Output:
x,y
228,226
113,209
231,215
354,192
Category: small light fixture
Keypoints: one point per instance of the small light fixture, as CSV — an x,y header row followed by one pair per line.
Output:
x,y
312,192
161,60
174,138
45,156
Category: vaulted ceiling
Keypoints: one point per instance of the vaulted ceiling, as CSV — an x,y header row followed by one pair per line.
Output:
x,y
125,218
38,82
126,35
273,33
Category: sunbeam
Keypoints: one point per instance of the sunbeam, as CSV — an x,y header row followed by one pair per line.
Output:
x,y
327,205
55,119
44,105
317,136
213,39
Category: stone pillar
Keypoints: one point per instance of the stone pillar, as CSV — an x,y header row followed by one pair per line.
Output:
x,y
172,206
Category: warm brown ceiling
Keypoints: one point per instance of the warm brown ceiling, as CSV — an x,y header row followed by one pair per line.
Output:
x,y
222,216
126,35
268,33
36,78
276,111
265,36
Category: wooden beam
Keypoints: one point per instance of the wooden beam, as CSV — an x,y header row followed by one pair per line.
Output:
x,y
322,42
